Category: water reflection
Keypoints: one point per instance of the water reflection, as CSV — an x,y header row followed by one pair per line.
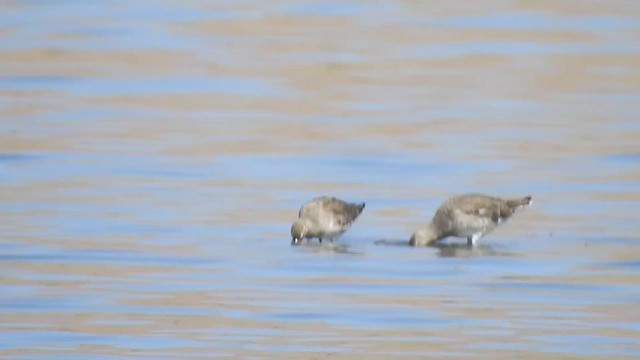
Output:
x,y
451,249
388,242
328,247
464,250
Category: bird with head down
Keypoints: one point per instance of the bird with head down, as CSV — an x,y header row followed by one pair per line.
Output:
x,y
470,216
324,217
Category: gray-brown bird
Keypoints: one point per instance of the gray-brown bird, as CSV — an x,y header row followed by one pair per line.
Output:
x,y
469,216
324,217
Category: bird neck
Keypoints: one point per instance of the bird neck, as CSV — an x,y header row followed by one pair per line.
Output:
x,y
427,235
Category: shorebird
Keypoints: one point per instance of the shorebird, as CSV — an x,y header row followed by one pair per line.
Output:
x,y
469,216
324,217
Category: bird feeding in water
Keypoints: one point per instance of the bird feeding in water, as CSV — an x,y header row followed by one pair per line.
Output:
x,y
324,217
469,216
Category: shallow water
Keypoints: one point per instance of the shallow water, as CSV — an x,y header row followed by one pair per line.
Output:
x,y
154,154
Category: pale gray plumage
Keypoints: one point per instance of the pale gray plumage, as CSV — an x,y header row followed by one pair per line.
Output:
x,y
324,217
470,216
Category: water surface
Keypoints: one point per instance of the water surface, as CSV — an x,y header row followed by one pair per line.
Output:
x,y
154,154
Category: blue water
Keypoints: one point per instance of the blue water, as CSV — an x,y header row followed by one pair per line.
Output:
x,y
153,156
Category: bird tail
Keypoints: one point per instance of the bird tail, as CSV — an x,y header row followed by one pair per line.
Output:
x,y
517,203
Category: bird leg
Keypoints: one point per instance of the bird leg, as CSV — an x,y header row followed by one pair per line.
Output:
x,y
473,239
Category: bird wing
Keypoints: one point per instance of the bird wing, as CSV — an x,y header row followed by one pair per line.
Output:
x,y
312,208
322,207
480,206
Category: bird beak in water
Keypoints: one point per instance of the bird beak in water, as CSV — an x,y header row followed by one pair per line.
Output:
x,y
295,241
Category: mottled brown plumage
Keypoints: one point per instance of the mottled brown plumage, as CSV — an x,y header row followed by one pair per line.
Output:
x,y
470,216
324,217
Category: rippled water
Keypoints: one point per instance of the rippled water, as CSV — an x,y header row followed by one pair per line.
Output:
x,y
154,154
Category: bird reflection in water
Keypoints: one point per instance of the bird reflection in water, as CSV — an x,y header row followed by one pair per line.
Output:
x,y
449,250
337,248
